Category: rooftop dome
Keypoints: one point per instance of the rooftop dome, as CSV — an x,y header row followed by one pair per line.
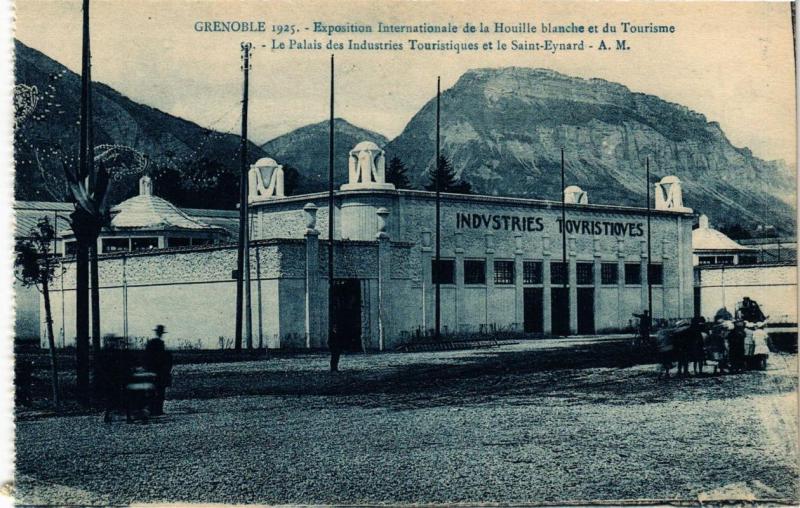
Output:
x,y
706,238
365,145
146,212
149,212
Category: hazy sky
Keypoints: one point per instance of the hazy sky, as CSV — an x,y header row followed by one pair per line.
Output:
x,y
731,61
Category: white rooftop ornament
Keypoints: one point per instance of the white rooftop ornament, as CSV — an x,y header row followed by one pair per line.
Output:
x,y
575,195
669,195
145,186
367,168
265,180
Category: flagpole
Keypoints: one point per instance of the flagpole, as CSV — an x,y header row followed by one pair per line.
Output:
x,y
649,253
436,277
330,216
564,230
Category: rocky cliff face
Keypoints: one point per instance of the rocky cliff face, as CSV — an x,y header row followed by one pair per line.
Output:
x,y
170,144
306,149
503,130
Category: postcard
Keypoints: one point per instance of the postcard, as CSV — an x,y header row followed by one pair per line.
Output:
x,y
403,252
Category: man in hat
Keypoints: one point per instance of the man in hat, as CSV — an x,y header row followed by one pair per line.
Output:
x,y
158,361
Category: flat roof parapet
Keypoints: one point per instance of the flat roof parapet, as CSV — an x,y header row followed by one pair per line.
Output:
x,y
470,198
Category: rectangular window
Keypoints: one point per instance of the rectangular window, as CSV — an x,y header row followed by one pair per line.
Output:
x,y
444,273
558,273
656,274
70,248
633,274
585,273
724,260
115,244
144,243
201,241
474,271
609,273
706,260
178,242
503,272
531,272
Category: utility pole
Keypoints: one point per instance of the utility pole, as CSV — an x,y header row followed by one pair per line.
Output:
x,y
332,341
243,255
437,279
564,263
94,273
649,253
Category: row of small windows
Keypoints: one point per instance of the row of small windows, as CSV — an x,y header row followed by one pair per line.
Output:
x,y
475,272
137,243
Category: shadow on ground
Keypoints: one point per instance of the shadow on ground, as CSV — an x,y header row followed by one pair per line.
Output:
x,y
601,372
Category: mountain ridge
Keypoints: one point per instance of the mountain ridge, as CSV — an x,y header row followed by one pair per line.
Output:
x,y
189,163
306,149
503,130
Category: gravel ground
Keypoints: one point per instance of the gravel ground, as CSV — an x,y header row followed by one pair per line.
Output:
x,y
538,421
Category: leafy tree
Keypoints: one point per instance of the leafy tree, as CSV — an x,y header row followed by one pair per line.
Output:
x,y
735,231
291,179
396,174
446,176
36,265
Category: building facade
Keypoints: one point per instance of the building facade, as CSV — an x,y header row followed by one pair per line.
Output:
x,y
505,264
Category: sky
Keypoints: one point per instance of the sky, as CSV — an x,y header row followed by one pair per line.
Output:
x,y
731,61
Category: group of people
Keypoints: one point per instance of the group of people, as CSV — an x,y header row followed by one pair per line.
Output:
x,y
732,343
131,384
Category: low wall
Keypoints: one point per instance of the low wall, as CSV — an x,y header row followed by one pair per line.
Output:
x,y
774,287
192,292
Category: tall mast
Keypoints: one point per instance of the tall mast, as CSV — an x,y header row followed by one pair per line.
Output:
x,y
242,259
330,212
437,180
564,263
649,253
82,254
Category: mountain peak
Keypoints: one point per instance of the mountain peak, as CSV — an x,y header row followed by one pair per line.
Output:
x,y
306,149
503,130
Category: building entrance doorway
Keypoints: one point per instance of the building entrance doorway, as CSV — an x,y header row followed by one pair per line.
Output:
x,y
533,310
585,311
559,306
347,314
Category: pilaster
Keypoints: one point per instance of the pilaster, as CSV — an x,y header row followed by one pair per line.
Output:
x,y
572,252
547,313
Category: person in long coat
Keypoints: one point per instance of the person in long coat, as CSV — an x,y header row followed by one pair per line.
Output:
x,y
736,346
158,361
697,345
114,370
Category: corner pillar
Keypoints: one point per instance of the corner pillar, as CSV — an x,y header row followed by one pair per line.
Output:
x,y
313,307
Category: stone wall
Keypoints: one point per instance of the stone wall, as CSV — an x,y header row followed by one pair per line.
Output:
x,y
192,292
774,287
